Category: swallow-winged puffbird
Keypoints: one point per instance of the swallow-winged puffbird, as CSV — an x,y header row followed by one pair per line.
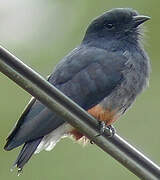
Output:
x,y
103,75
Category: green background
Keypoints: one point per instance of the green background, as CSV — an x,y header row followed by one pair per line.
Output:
x,y
40,33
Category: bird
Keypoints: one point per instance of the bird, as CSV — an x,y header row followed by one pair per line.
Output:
x,y
103,75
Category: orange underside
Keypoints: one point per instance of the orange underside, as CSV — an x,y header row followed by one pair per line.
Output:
x,y
106,115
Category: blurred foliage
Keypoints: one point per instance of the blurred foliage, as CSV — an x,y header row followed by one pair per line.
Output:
x,y
41,33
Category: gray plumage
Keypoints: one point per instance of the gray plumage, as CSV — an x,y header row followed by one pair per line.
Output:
x,y
109,67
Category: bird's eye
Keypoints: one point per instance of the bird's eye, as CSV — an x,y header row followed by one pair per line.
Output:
x,y
109,26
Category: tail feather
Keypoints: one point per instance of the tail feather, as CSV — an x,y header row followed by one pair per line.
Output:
x,y
26,153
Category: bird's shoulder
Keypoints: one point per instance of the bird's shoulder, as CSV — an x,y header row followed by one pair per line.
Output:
x,y
82,57
88,74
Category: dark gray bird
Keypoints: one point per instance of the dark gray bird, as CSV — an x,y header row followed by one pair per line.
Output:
x,y
104,74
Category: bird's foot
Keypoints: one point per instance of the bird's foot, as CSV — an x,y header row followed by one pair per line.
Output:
x,y
103,127
112,130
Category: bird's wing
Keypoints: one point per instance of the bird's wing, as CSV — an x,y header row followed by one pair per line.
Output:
x,y
86,75
20,121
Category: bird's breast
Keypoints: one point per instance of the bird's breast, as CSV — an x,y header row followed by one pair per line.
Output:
x,y
101,114
109,116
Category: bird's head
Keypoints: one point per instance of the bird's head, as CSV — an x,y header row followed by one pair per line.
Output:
x,y
116,24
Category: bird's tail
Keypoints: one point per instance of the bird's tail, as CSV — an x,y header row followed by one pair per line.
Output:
x,y
25,154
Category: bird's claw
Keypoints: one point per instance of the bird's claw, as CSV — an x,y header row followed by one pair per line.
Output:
x,y
112,130
103,127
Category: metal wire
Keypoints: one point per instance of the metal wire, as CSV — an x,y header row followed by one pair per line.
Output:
x,y
37,86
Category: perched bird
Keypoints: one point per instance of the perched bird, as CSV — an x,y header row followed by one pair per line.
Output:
x,y
103,75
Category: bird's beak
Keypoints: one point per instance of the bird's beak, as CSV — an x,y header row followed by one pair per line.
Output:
x,y
139,19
